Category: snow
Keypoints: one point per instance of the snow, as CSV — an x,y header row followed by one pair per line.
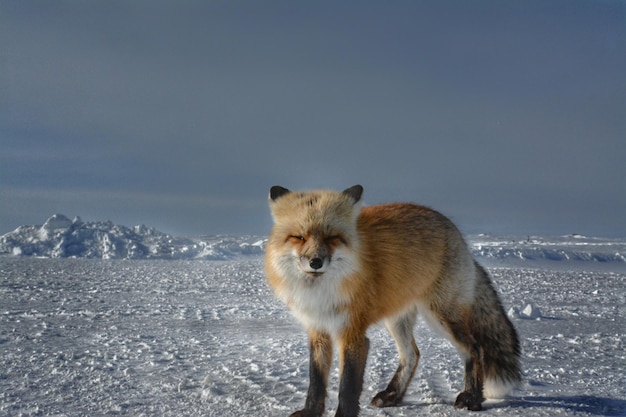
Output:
x,y
60,237
531,312
182,337
57,222
557,248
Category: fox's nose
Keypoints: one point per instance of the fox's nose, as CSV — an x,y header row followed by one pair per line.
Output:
x,y
316,263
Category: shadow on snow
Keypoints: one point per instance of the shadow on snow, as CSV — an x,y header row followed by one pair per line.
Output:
x,y
586,404
589,404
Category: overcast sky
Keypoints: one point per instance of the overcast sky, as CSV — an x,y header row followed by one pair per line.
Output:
x,y
507,116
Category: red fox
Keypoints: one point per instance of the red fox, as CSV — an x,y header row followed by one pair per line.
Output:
x,y
341,268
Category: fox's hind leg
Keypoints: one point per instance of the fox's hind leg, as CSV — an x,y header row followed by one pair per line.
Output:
x,y
472,396
401,328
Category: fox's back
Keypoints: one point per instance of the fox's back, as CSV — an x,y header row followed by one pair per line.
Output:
x,y
411,221
390,230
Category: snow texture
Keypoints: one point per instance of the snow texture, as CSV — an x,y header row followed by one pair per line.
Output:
x,y
207,338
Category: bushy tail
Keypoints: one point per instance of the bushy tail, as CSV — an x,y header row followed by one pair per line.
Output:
x,y
499,341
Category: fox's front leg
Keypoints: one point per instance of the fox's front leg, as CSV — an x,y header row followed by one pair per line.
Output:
x,y
321,356
353,356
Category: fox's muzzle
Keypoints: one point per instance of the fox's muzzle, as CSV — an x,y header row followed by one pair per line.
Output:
x,y
315,265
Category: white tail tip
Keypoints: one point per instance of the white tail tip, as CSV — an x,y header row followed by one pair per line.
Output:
x,y
498,389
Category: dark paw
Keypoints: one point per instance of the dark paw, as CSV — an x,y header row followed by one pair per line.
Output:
x,y
347,413
470,401
306,413
386,399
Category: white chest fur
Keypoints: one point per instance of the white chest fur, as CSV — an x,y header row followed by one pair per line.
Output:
x,y
317,303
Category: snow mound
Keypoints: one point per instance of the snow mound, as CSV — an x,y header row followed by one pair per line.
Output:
x,y
559,249
531,312
60,237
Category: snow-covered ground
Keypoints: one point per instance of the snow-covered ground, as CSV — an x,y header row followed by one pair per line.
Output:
x,y
90,337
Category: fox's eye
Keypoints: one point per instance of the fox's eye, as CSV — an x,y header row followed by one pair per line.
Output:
x,y
335,238
297,237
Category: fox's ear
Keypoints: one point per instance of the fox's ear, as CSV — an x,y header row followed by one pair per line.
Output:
x,y
277,191
355,192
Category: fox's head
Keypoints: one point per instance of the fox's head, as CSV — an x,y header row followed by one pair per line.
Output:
x,y
314,232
